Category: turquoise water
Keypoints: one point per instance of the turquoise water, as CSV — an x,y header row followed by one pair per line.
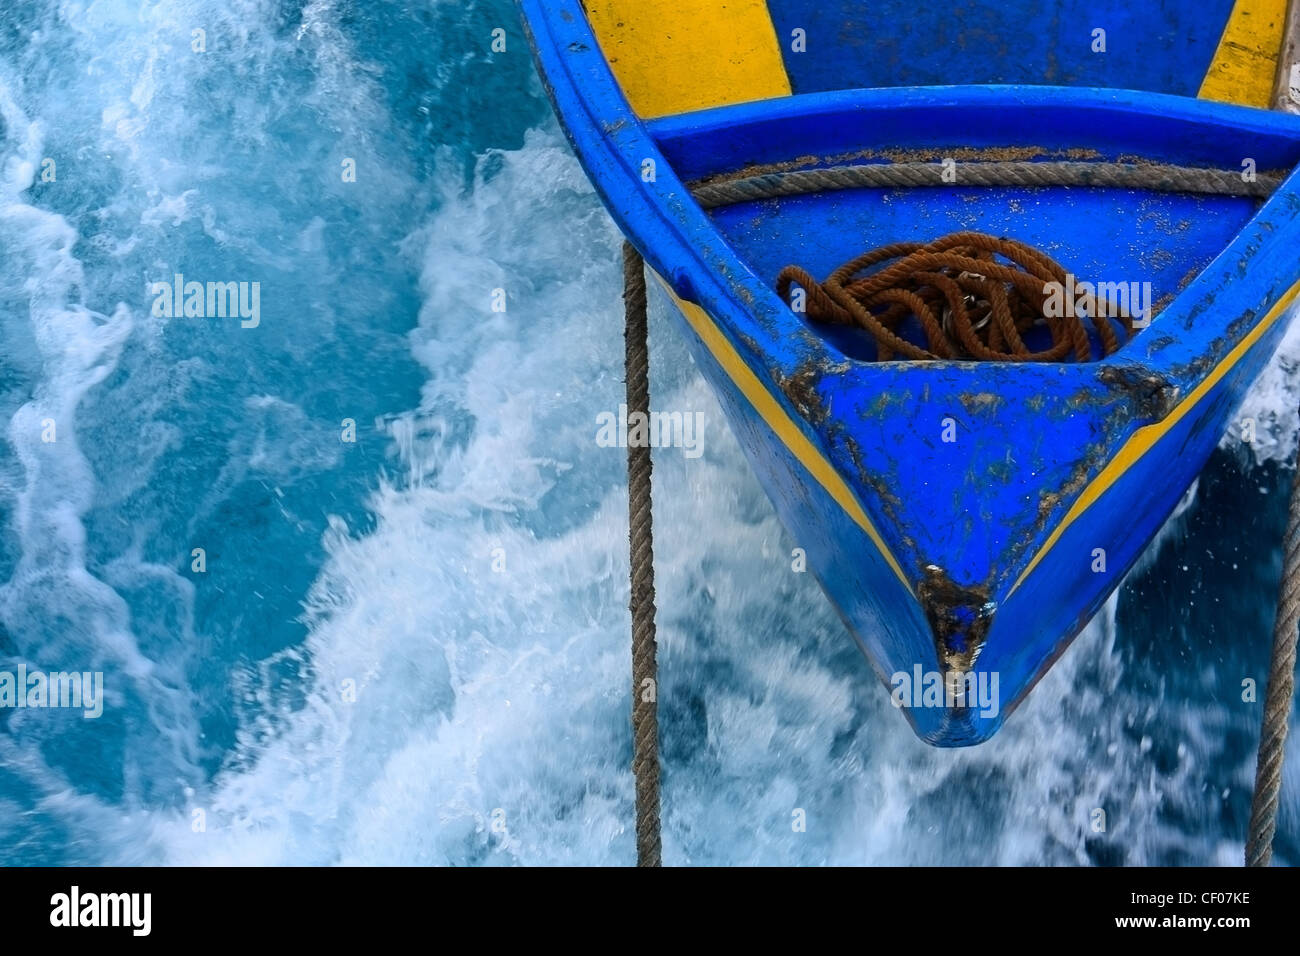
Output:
x,y
411,647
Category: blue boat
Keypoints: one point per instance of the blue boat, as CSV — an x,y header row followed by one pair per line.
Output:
x,y
966,516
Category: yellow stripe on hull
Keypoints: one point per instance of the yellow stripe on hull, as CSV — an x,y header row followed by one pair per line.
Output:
x,y
770,410
1144,439
1245,63
674,56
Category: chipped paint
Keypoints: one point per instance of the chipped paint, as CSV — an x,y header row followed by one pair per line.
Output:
x,y
959,617
1153,395
801,389
981,401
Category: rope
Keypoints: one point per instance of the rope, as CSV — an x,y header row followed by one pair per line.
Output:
x,y
645,712
1156,177
1281,688
969,304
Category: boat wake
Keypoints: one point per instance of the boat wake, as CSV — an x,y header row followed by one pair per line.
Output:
x,y
414,649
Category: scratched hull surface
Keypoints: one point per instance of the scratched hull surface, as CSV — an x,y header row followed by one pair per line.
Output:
x,y
963,518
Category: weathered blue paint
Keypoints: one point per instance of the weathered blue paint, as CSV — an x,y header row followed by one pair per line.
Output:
x,y
1030,437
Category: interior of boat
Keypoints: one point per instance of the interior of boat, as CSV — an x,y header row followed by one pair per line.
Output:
x,y
791,85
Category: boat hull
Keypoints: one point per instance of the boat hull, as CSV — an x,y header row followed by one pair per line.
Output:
x,y
1033,625
966,519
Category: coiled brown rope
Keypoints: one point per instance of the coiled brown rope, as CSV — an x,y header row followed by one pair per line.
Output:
x,y
969,304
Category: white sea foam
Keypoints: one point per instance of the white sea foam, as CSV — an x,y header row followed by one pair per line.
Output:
x,y
53,608
491,719
76,348
463,691
130,143
1272,403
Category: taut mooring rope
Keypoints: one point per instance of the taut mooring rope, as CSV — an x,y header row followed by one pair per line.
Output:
x,y
1281,688
645,691
1156,177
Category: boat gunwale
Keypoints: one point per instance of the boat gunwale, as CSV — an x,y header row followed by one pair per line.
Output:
x,y
672,133
681,242
703,268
